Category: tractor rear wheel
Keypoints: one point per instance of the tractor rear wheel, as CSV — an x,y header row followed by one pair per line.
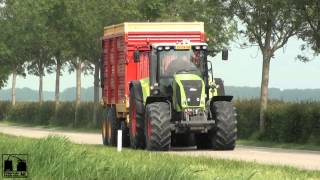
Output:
x,y
157,126
110,126
224,136
136,114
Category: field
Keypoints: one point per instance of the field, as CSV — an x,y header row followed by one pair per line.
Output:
x,y
57,158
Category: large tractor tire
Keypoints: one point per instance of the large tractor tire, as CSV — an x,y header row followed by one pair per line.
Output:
x,y
110,125
224,135
157,126
136,116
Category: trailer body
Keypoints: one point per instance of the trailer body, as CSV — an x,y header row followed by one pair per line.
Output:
x,y
119,44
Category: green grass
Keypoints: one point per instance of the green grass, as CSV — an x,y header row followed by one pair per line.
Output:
x,y
256,143
57,158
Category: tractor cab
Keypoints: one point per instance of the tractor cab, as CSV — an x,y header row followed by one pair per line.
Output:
x,y
169,61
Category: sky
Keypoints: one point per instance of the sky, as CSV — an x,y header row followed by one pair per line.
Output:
x,y
243,68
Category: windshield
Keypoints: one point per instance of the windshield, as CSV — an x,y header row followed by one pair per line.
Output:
x,y
173,61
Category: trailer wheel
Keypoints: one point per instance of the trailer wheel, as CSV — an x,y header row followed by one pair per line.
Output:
x,y
136,125
224,136
110,126
157,126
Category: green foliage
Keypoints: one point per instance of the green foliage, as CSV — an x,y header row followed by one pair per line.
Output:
x,y
23,112
293,123
310,34
285,122
64,115
4,109
56,158
248,117
35,114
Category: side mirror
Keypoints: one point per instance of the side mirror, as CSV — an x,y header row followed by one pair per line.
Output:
x,y
225,54
136,56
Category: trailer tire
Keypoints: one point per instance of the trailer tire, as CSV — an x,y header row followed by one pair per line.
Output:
x,y
110,126
157,126
136,116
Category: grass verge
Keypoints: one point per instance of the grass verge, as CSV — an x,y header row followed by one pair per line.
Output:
x,y
57,158
313,147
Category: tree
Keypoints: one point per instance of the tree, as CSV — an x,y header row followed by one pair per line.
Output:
x,y
269,25
310,33
59,27
13,38
4,51
208,11
36,38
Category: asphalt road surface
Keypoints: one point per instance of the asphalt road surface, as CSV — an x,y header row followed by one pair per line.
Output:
x,y
297,158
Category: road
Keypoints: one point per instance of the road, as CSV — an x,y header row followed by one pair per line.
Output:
x,y
297,158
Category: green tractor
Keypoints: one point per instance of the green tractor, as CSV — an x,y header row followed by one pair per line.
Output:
x,y
180,103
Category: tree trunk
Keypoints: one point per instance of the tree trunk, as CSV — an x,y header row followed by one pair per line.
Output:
x,y
40,88
96,92
78,79
78,89
264,90
14,80
57,90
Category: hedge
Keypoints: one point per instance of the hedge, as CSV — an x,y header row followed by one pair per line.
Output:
x,y
285,122
45,114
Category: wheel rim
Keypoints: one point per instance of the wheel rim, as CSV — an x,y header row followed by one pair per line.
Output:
x,y
133,120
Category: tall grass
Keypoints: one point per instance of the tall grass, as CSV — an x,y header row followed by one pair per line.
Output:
x,y
56,158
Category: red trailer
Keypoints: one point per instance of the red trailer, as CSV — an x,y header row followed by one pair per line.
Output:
x,y
119,43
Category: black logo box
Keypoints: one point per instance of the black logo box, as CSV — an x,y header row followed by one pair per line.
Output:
x,y
8,166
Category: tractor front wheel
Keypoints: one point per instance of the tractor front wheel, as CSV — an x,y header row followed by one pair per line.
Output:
x,y
157,126
224,135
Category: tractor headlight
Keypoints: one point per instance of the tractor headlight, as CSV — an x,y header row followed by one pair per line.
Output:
x,y
160,48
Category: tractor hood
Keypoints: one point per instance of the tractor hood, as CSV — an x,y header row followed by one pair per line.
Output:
x,y
188,92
